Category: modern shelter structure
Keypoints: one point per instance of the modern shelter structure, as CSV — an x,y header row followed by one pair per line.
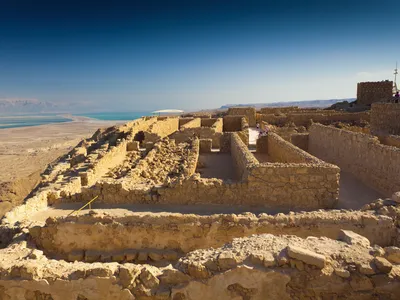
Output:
x,y
167,112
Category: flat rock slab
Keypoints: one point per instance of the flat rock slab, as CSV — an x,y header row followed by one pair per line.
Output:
x,y
353,238
307,256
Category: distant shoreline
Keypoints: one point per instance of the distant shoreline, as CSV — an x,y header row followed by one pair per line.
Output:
x,y
33,120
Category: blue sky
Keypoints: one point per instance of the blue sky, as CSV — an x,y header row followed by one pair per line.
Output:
x,y
127,56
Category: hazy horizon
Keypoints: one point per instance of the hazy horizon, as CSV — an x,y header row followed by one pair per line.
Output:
x,y
125,56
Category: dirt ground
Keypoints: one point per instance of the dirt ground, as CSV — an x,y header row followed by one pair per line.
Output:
x,y
26,151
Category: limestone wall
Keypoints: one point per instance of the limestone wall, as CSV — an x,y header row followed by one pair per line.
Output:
x,y
258,267
105,149
385,118
375,164
303,186
162,128
243,159
300,140
183,121
218,125
282,151
196,122
370,92
232,123
208,122
184,233
320,116
186,134
278,110
249,112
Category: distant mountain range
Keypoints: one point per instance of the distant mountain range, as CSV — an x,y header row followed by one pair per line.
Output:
x,y
32,106
303,104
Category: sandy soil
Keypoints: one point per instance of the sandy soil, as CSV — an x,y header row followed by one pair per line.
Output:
x,y
26,151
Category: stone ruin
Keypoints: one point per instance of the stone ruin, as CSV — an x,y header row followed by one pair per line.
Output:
x,y
198,207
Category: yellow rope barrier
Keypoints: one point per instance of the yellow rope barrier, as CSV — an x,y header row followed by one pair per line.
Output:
x,y
89,203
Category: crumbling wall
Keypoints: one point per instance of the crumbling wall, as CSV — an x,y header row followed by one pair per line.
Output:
x,y
370,92
375,164
249,112
105,149
304,186
162,128
320,116
133,233
278,110
258,267
385,118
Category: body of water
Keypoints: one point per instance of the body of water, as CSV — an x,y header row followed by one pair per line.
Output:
x,y
116,116
30,120
42,119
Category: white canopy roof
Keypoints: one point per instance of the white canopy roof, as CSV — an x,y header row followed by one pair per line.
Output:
x,y
168,111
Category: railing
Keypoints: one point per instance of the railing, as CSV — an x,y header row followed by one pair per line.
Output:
x,y
89,203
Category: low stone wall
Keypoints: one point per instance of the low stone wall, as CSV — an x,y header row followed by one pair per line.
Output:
x,y
249,112
243,159
184,135
303,186
192,158
282,151
300,140
385,118
191,124
258,267
61,183
321,116
181,233
278,110
162,128
375,164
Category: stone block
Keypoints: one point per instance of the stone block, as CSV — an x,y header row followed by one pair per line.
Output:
x,y
353,238
130,255
227,260
155,255
205,145
142,256
170,255
393,254
307,256
342,273
383,265
396,197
